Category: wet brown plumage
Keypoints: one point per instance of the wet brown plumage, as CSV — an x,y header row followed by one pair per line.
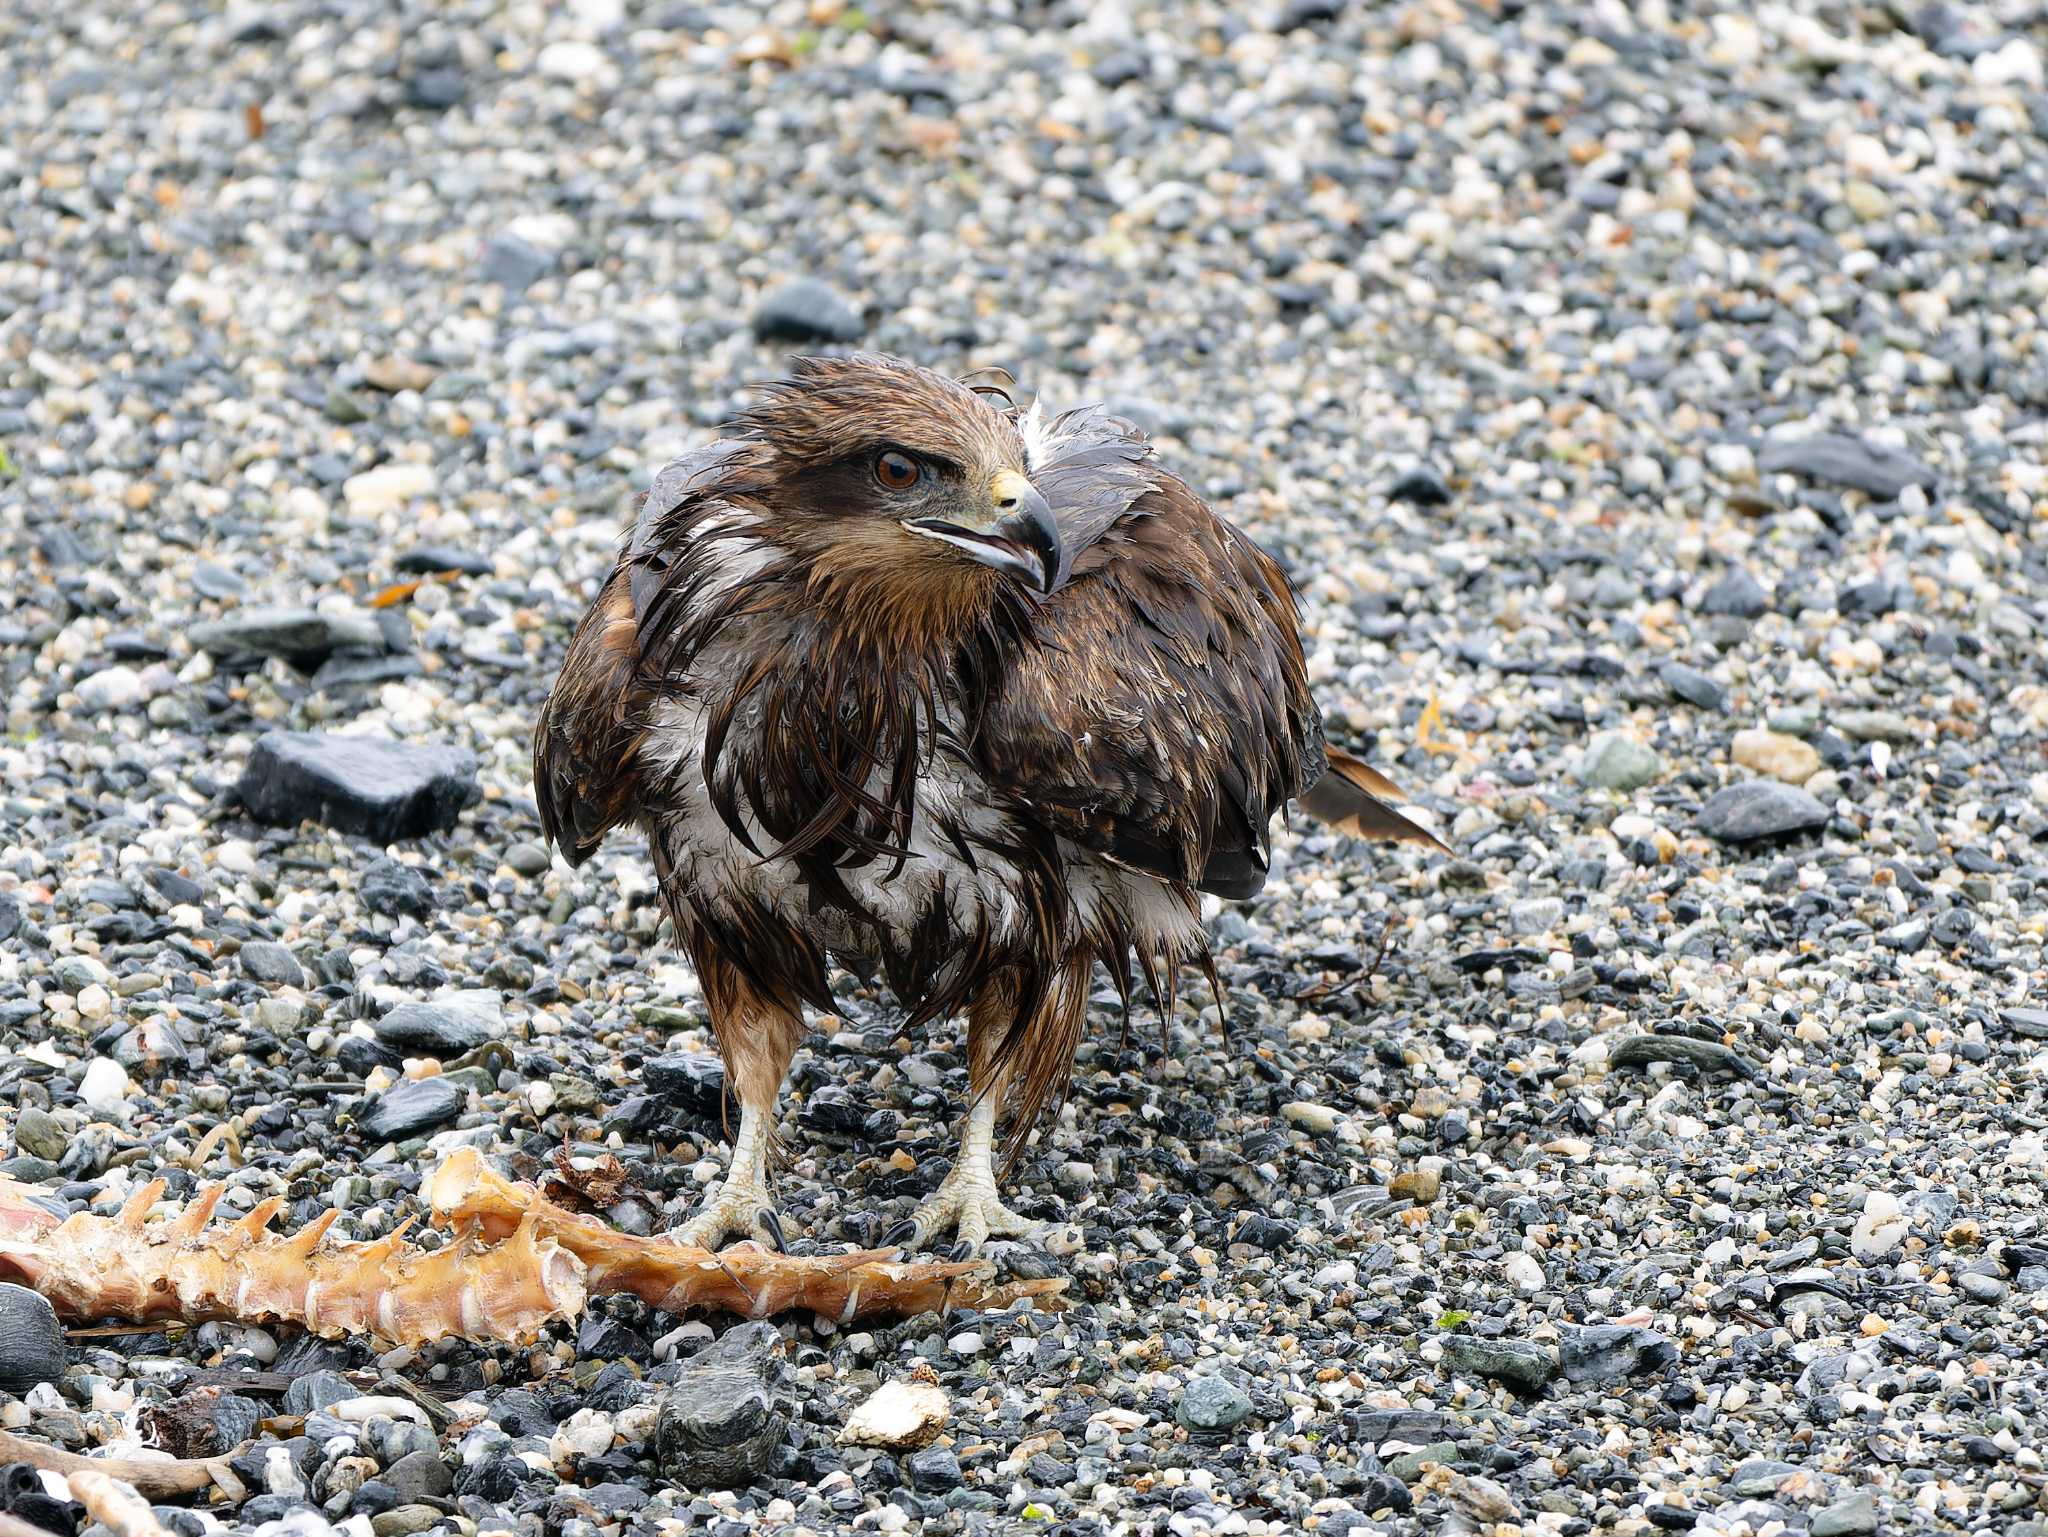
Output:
x,y
896,677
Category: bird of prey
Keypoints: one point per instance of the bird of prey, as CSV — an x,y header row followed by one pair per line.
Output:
x,y
897,677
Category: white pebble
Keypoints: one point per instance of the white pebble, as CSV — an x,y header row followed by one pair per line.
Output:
x,y
105,1084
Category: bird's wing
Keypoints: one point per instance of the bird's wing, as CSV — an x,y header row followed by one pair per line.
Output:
x,y
586,775
1162,714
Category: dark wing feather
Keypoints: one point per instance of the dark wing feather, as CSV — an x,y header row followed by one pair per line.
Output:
x,y
1356,799
586,776
1161,714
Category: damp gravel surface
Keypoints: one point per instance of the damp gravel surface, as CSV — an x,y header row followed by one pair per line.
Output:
x,y
1649,402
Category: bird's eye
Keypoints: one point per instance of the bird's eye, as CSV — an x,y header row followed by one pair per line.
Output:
x,y
896,471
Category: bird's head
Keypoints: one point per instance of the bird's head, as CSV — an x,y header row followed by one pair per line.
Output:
x,y
890,478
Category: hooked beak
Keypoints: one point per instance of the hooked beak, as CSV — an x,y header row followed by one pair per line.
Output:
x,y
1020,539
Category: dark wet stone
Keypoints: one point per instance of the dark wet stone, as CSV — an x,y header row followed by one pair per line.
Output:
x,y
2031,1023
302,636
395,890
689,1080
1640,1051
31,1340
418,1476
1422,486
316,1390
1613,1352
375,786
1737,593
1693,686
441,1027
267,961
720,1423
433,559
412,1108
1759,809
806,310
1522,1364
935,1470
1841,460
339,672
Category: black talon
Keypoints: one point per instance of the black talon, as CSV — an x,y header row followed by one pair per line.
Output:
x,y
963,1250
773,1223
901,1234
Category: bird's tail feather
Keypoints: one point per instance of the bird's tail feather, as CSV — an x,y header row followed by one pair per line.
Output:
x,y
1355,798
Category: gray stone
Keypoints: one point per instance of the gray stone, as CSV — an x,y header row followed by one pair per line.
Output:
x,y
265,960
41,1134
1873,725
1840,460
316,1390
1761,1477
1641,1051
2031,1023
528,858
420,1475
443,1027
513,263
806,310
1854,1515
1737,593
380,788
1522,1364
1211,1405
302,636
395,890
718,1426
412,1108
1616,761
31,1340
1693,686
1614,1352
1760,809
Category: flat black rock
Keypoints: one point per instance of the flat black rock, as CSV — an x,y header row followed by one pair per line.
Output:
x,y
412,1108
1612,1352
431,559
1693,686
31,1341
395,890
1759,809
1737,593
304,637
375,786
1423,486
1641,1051
265,960
806,310
719,1426
439,1028
1841,460
689,1080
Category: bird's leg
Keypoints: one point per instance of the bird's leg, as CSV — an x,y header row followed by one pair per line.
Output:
x,y
757,1038
966,1200
745,1203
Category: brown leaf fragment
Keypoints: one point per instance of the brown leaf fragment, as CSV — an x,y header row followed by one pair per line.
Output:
x,y
591,1189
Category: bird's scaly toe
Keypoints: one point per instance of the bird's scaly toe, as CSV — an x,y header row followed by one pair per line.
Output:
x,y
745,1212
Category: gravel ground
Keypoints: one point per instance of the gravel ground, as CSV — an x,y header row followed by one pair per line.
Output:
x,y
1650,403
